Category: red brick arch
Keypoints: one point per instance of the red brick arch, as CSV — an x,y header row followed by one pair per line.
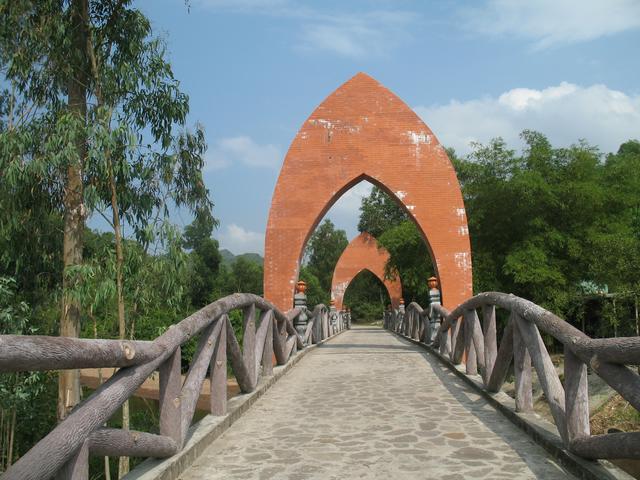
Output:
x,y
362,131
363,253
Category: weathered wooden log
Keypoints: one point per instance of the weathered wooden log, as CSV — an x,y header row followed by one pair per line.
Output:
x,y
469,349
522,373
490,340
266,318
198,370
325,325
503,358
48,455
291,330
267,353
547,375
612,445
289,347
624,350
77,467
471,363
238,366
249,342
445,343
114,442
478,342
458,350
576,396
318,312
169,396
279,348
308,332
454,331
21,353
620,378
218,373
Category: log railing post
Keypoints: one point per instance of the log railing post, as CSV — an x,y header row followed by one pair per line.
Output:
x,y
249,342
458,349
218,373
77,467
169,396
267,352
576,396
454,330
522,373
547,375
503,358
490,340
469,347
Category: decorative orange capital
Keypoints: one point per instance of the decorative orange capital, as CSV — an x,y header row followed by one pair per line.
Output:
x,y
301,286
432,282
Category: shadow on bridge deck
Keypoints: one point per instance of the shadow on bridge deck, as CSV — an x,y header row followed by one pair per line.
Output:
x,y
368,404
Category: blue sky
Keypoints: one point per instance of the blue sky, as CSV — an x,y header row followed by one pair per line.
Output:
x,y
256,69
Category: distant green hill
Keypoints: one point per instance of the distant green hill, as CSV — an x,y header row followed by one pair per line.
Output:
x,y
228,258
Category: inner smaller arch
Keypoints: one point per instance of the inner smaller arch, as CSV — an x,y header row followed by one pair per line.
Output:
x,y
367,297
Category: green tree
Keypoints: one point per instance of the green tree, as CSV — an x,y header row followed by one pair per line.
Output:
x,y
205,259
323,251
409,259
367,297
315,293
18,390
94,110
379,212
385,219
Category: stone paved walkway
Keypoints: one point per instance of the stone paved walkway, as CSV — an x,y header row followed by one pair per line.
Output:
x,y
370,405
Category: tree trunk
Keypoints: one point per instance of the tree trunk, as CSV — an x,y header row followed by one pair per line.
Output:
x,y
107,472
12,431
123,465
69,380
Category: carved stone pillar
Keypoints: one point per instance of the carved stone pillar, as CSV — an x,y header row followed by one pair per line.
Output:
x,y
434,316
300,301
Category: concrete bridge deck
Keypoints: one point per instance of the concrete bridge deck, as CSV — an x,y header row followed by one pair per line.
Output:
x,y
368,404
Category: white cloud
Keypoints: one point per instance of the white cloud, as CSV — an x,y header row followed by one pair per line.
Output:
x,y
565,113
553,22
242,149
357,36
238,240
353,34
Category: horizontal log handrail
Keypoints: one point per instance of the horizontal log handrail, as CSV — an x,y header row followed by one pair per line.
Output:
x,y
462,335
64,451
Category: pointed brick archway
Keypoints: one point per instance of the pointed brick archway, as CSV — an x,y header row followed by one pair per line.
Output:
x,y
363,131
363,253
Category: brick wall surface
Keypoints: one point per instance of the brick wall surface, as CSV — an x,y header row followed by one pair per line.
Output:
x,y
362,131
363,253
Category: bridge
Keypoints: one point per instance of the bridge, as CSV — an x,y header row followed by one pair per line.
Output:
x,y
368,402
421,396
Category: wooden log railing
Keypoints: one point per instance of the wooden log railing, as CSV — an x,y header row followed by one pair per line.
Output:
x,y
463,335
64,452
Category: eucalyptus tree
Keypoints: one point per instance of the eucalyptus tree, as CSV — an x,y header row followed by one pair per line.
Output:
x,y
94,116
